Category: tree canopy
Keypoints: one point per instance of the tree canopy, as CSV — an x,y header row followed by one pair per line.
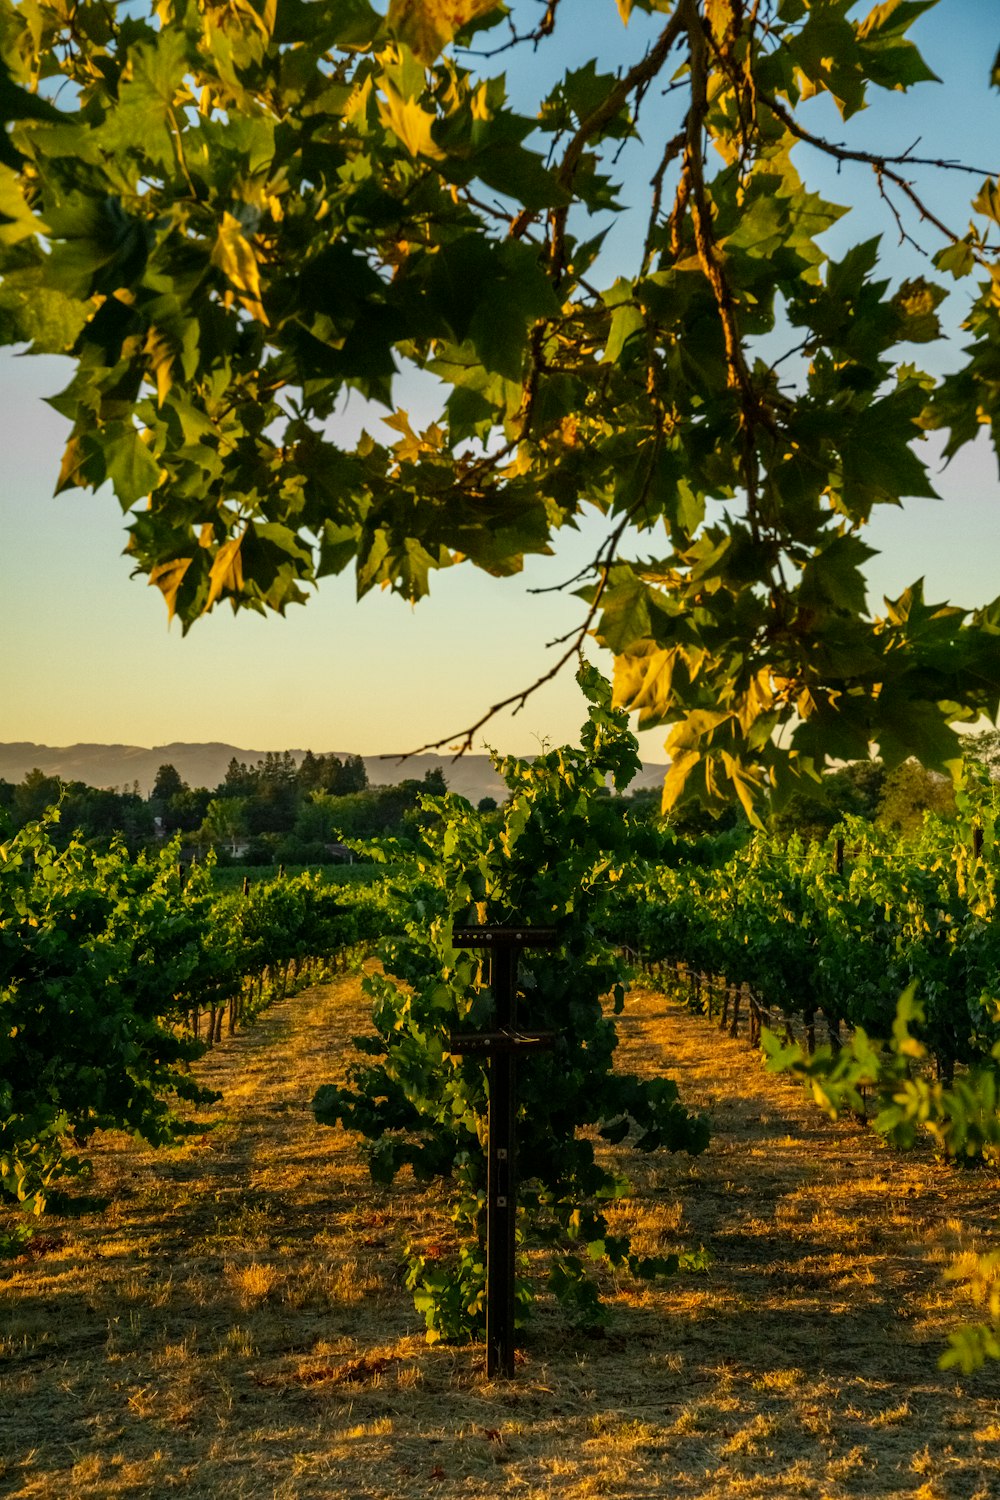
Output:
x,y
233,214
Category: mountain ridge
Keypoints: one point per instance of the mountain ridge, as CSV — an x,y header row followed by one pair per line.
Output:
x,y
205,763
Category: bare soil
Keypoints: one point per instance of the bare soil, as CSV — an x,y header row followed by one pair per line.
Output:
x,y
234,1323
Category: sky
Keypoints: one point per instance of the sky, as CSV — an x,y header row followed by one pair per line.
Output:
x,y
86,654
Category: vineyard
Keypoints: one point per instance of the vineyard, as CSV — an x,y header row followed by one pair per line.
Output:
x,y
116,973
234,1322
560,1149
141,1001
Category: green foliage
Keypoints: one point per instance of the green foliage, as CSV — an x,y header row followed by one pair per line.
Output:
x,y
283,812
900,946
854,790
374,813
551,856
230,877
106,965
910,793
778,916
93,953
235,217
961,1118
972,1345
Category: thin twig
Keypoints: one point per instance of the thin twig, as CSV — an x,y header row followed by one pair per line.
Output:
x,y
602,564
559,588
905,237
671,151
883,166
545,27
636,78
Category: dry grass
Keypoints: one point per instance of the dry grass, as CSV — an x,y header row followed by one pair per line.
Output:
x,y
234,1324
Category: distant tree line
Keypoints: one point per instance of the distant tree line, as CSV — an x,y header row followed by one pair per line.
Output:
x,y
278,810
283,811
99,813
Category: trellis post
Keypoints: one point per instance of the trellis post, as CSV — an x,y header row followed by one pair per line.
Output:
x,y
501,1046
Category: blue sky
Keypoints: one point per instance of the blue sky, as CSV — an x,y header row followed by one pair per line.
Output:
x,y
87,654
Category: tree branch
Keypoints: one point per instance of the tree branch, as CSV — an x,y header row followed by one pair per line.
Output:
x,y
601,565
883,166
693,183
636,78
671,151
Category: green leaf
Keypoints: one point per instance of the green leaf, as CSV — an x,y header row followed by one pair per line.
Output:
x,y
130,466
887,57
832,578
520,295
628,326
39,314
916,301
97,246
520,174
625,614
957,258
17,222
16,104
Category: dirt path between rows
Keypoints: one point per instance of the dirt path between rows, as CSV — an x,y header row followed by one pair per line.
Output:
x,y
234,1323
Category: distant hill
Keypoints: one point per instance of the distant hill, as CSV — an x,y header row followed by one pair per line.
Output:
x,y
120,766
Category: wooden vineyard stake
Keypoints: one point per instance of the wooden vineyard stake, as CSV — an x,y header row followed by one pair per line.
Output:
x,y
501,1046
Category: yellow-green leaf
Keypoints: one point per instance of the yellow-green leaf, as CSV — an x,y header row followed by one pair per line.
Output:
x,y
427,26
409,122
168,577
674,783
235,258
73,457
160,354
17,222
226,572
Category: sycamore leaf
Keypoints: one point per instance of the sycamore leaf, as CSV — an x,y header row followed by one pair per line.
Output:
x,y
130,466
69,471
159,352
17,222
917,301
889,59
748,785
18,104
520,174
675,782
226,572
234,256
168,577
987,200
957,258
720,17
644,682
625,617
427,26
409,122
40,314
832,577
